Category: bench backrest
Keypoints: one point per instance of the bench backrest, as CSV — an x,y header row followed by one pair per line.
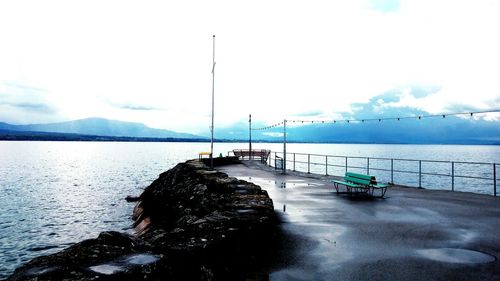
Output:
x,y
262,153
359,178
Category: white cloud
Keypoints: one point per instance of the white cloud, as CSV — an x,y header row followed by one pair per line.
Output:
x,y
275,59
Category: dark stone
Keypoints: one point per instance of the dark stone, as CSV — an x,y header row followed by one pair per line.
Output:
x,y
221,161
192,223
131,198
77,261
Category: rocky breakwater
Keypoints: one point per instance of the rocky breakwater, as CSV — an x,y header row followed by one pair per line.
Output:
x,y
192,223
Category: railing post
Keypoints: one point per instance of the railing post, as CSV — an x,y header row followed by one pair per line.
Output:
x,y
419,173
368,165
326,165
284,147
392,171
346,164
308,163
294,162
494,179
452,176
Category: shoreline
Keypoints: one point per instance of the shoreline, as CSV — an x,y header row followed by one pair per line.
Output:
x,y
67,137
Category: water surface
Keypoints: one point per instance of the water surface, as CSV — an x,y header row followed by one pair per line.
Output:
x,y
54,194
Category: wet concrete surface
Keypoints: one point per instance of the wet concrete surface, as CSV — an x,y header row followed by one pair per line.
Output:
x,y
411,234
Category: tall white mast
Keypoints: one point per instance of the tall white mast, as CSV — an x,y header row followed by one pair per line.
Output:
x,y
212,127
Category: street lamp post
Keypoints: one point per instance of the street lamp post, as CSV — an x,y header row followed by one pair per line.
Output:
x,y
250,136
212,127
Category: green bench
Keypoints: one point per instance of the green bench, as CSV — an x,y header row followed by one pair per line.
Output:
x,y
360,184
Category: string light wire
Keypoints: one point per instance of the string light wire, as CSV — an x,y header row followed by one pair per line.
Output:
x,y
419,117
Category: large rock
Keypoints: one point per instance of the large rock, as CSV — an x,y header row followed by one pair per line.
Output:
x,y
192,223
110,254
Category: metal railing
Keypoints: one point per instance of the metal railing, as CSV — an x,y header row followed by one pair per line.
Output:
x,y
433,174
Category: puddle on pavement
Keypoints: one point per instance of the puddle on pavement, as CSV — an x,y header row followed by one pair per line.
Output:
x,y
294,184
451,255
40,270
244,211
462,236
121,264
412,214
142,259
106,269
279,184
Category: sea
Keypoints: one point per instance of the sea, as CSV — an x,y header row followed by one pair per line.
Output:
x,y
55,194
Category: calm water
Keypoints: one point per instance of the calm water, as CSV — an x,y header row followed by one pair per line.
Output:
x,y
54,194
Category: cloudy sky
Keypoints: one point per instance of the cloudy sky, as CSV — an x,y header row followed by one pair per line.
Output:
x,y
151,61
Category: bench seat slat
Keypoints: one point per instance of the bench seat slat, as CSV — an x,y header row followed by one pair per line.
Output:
x,y
378,185
347,183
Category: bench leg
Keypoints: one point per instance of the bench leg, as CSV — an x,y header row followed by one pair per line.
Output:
x,y
336,185
383,190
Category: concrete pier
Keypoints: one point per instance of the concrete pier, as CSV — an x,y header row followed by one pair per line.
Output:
x,y
412,234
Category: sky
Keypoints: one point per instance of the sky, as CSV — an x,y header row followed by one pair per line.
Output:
x,y
151,61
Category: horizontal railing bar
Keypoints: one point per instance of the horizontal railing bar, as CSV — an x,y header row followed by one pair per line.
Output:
x,y
335,165
474,163
396,171
473,177
396,159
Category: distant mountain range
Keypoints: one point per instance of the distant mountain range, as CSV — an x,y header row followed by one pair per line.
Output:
x,y
449,130
98,127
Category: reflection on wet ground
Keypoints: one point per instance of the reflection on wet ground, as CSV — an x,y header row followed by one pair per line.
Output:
x,y
411,234
294,183
456,255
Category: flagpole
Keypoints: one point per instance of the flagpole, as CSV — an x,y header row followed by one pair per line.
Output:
x,y
212,127
250,137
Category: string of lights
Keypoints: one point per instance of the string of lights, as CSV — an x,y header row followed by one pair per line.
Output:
x,y
268,127
418,117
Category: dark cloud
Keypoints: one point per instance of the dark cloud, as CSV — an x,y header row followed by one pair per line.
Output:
x,y
137,107
420,92
129,105
392,96
374,107
25,98
460,107
31,106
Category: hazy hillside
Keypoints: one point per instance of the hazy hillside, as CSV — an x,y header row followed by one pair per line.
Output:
x,y
100,127
449,130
